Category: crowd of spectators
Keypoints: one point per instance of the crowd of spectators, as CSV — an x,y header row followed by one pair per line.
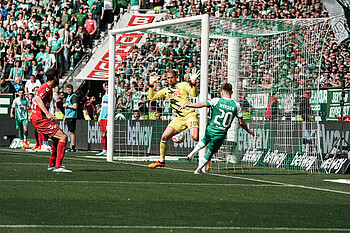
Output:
x,y
38,35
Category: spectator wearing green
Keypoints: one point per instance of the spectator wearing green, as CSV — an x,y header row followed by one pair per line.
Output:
x,y
49,60
66,36
40,55
77,52
16,72
57,46
81,16
27,56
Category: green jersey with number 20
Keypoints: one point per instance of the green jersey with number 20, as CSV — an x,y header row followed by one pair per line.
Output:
x,y
224,111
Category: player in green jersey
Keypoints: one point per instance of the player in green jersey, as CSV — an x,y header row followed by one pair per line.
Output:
x,y
224,111
20,106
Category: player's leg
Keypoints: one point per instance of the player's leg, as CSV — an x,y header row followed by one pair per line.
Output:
x,y
192,123
168,133
36,135
19,127
40,140
71,123
61,147
53,156
200,145
25,133
213,147
103,128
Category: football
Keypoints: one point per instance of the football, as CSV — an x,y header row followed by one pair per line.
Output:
x,y
178,138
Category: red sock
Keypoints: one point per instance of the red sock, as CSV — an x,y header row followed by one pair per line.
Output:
x,y
53,155
104,143
61,147
43,138
36,138
40,139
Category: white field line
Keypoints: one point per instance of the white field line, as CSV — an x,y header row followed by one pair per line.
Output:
x,y
137,183
179,227
213,174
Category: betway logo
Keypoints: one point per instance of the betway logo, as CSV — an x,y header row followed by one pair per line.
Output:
x,y
140,135
252,156
304,161
334,165
275,158
94,133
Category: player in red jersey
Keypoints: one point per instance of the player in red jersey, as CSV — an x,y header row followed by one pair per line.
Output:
x,y
43,121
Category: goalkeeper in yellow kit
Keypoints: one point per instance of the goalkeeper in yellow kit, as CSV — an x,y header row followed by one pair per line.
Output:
x,y
177,95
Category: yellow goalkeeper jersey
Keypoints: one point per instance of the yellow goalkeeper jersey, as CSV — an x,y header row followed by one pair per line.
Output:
x,y
177,97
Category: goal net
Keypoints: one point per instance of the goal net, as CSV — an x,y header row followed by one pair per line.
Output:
x,y
273,65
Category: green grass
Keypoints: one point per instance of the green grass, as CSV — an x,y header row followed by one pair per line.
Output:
x,y
129,197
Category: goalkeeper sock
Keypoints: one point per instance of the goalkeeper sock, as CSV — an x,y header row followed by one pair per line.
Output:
x,y
104,143
53,154
198,147
163,150
25,136
61,147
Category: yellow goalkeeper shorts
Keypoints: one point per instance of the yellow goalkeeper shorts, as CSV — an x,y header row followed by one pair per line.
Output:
x,y
181,123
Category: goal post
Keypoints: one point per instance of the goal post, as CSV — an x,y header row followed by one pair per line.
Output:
x,y
204,20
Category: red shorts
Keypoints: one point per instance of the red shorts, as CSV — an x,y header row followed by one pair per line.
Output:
x,y
46,127
103,126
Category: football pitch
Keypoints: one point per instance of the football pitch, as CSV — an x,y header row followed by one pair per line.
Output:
x,y
129,197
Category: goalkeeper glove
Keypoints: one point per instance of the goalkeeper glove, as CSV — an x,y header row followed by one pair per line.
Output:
x,y
153,78
194,75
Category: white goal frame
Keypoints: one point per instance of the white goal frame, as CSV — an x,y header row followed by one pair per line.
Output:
x,y
204,19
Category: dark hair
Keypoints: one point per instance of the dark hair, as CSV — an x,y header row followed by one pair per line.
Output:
x,y
51,74
21,89
69,86
226,87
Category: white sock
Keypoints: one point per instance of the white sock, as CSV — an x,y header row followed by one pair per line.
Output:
x,y
24,138
201,163
161,160
104,151
200,145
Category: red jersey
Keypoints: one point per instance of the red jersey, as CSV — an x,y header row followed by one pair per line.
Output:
x,y
45,93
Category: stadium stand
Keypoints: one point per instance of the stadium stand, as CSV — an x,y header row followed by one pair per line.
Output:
x,y
28,28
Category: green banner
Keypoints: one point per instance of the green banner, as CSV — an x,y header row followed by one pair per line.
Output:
x,y
326,102
333,104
